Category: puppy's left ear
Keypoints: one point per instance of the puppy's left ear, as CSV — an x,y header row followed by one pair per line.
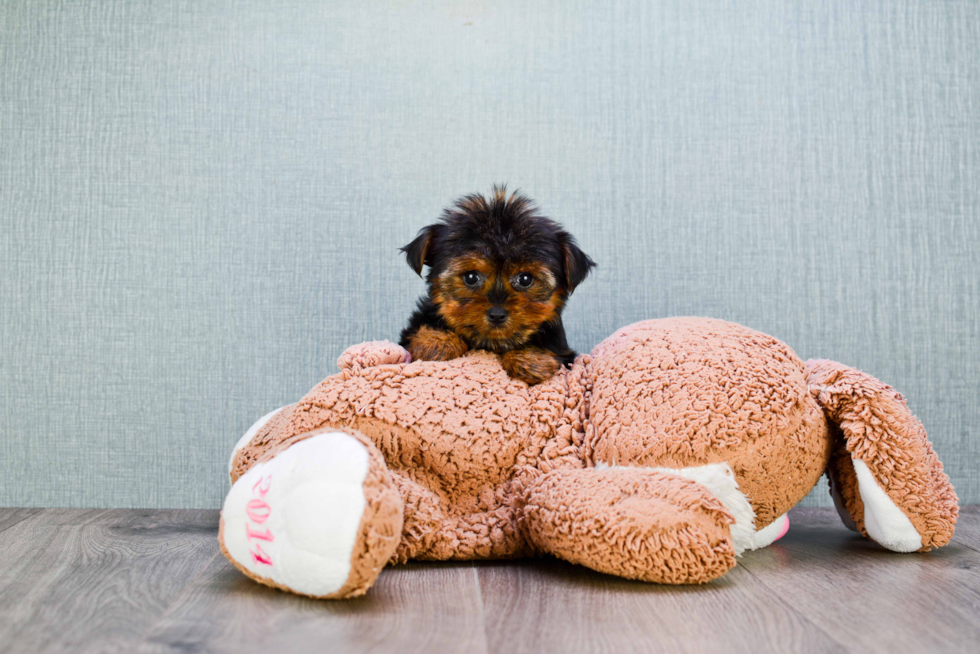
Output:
x,y
419,251
577,263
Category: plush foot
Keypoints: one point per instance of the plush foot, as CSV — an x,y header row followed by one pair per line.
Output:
x,y
319,518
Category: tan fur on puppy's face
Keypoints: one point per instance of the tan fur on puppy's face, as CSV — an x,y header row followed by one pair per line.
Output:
x,y
464,308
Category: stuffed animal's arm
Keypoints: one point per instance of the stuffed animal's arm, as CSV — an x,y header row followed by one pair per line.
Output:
x,y
638,523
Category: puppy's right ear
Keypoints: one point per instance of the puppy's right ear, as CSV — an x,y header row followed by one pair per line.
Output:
x,y
577,263
419,251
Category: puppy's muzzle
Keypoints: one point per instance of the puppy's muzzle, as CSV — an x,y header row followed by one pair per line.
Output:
x,y
497,315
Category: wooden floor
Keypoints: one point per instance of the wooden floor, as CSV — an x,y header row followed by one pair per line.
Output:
x,y
154,581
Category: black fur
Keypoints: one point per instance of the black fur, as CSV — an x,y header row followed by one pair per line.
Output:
x,y
499,228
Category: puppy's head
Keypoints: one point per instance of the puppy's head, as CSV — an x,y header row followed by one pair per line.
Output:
x,y
497,269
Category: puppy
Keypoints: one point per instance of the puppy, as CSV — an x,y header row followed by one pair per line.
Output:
x,y
499,277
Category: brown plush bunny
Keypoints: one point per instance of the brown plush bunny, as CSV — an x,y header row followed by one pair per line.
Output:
x,y
672,448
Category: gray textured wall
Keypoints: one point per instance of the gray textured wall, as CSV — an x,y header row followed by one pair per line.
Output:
x,y
200,203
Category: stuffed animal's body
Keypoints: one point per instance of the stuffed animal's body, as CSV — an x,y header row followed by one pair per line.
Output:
x,y
676,445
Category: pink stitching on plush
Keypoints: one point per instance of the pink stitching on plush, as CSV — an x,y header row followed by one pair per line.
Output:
x,y
264,489
258,511
260,556
262,535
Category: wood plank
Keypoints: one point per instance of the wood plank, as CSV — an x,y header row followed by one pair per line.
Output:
x,y
126,580
420,607
81,580
869,598
968,527
120,518
10,517
139,518
552,606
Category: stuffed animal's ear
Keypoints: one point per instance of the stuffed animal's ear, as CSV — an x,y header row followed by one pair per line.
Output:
x,y
577,263
419,251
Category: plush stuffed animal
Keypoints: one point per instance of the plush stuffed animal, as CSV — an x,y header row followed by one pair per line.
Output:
x,y
672,448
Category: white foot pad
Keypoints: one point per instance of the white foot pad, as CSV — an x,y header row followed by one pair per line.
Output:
x,y
294,519
884,521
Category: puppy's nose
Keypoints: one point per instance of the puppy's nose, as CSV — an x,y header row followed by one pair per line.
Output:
x,y
497,315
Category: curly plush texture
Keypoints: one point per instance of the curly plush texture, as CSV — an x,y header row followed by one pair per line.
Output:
x,y
632,522
879,430
687,391
487,467
454,434
370,354
378,532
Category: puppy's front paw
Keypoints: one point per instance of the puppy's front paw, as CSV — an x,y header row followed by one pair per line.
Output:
x,y
531,365
430,344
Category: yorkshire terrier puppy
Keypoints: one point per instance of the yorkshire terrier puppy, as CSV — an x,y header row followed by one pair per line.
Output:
x,y
499,277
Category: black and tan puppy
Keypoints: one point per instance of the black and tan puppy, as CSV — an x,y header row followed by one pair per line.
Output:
x,y
499,277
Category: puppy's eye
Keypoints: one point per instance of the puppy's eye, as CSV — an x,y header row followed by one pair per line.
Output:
x,y
524,280
471,278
